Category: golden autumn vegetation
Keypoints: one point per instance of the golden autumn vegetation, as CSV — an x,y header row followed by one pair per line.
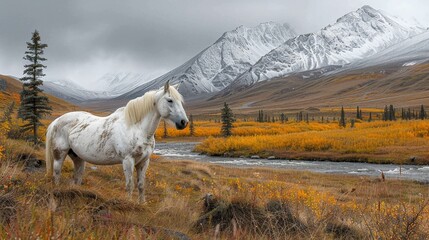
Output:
x,y
398,142
241,128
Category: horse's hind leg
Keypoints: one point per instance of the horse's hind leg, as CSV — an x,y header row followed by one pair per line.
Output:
x,y
59,156
79,167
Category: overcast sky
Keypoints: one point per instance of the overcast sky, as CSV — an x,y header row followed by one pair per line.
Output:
x,y
88,39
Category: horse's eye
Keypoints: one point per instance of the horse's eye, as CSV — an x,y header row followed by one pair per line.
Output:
x,y
169,100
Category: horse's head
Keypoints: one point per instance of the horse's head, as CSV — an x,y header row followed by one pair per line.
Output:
x,y
170,107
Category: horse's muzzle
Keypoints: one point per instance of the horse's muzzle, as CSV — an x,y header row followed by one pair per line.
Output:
x,y
182,125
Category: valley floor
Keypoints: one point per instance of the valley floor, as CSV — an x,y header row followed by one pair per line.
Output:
x,y
243,204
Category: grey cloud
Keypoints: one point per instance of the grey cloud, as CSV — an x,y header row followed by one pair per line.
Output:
x,y
90,38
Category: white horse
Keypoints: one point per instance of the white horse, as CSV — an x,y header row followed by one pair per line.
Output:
x,y
125,137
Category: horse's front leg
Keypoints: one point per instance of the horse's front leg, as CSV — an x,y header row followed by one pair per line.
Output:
x,y
141,176
128,166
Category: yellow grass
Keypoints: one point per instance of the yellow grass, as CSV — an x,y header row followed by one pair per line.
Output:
x,y
376,141
241,128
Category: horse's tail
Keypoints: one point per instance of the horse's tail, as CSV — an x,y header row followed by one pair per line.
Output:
x,y
49,154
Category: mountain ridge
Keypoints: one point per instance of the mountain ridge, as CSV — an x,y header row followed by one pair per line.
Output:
x,y
217,65
353,36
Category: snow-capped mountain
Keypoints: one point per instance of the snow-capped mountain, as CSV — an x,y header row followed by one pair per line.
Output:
x,y
116,84
70,91
354,36
218,65
409,52
109,86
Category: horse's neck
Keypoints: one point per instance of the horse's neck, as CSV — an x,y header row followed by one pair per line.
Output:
x,y
149,124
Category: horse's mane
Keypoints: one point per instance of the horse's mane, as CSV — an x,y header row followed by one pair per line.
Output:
x,y
137,108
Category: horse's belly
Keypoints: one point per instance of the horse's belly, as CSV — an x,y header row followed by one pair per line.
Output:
x,y
105,161
97,157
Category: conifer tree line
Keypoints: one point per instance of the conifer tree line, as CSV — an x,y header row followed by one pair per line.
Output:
x,y
390,113
407,114
263,117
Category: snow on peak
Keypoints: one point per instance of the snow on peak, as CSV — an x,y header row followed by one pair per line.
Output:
x,y
354,36
218,65
122,82
108,86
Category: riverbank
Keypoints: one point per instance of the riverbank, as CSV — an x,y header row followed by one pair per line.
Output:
x,y
183,151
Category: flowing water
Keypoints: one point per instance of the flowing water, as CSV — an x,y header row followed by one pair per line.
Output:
x,y
183,151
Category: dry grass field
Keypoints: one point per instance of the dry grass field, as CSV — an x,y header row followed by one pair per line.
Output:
x,y
243,203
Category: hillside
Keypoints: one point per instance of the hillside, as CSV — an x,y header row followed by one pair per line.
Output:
x,y
11,93
378,86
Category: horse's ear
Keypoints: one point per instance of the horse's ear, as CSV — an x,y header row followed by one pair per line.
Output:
x,y
167,87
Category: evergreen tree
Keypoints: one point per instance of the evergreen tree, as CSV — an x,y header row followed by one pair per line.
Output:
x,y
422,112
282,118
34,105
358,113
370,117
191,125
342,121
386,114
392,116
227,120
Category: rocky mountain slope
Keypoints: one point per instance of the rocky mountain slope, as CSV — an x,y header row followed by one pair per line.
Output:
x,y
354,36
217,66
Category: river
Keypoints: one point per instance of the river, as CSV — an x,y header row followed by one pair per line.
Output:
x,y
183,151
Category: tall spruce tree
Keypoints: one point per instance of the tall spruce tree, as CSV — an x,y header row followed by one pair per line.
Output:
x,y
227,118
342,121
34,105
